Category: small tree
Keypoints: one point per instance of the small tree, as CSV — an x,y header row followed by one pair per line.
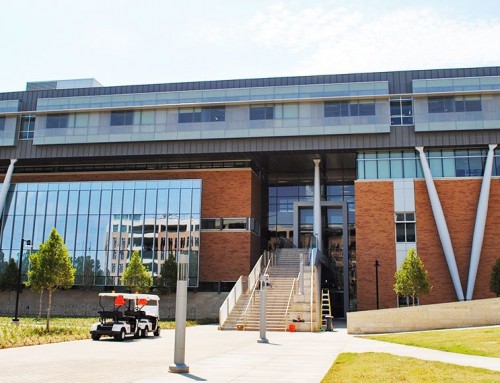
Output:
x,y
36,278
8,280
168,276
53,270
412,279
495,278
135,276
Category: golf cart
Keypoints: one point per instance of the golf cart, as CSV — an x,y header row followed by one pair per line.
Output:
x,y
125,315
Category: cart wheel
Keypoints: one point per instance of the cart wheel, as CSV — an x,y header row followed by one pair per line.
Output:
x,y
157,331
144,333
120,336
96,336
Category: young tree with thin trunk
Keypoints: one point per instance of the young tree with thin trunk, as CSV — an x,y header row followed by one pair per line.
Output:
x,y
53,270
412,279
135,276
36,279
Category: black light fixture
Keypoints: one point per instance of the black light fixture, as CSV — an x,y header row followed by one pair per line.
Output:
x,y
28,242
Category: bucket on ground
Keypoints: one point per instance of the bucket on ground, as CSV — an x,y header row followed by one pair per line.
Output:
x,y
291,327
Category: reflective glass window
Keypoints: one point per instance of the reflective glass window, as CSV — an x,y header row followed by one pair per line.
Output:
x,y
57,121
261,112
122,117
27,127
100,241
2,123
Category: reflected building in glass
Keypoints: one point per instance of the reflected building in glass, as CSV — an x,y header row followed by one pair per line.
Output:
x,y
224,170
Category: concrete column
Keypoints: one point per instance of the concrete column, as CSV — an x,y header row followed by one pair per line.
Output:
x,y
442,228
6,184
317,204
482,211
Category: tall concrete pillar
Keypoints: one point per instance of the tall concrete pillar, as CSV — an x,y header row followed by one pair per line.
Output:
x,y
6,184
482,211
442,228
317,204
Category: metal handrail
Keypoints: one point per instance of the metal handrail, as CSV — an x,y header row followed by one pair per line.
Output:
x,y
252,296
290,299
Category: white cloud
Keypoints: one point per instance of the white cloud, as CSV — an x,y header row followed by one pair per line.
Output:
x,y
340,40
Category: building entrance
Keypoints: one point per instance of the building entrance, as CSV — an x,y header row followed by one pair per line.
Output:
x,y
334,247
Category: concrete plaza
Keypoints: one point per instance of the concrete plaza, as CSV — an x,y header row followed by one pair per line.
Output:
x,y
212,355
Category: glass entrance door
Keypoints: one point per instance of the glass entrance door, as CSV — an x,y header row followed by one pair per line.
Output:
x,y
332,229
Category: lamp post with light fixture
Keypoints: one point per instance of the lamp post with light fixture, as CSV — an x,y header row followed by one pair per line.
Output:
x,y
28,242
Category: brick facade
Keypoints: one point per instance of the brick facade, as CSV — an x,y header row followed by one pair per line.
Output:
x,y
375,239
459,200
229,193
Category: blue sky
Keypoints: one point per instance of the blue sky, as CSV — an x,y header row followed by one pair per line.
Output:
x,y
122,42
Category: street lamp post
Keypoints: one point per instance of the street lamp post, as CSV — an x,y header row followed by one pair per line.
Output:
x,y
28,242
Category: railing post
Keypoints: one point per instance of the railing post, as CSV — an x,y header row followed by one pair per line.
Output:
x,y
301,281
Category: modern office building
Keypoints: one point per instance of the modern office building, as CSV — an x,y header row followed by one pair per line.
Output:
x,y
367,165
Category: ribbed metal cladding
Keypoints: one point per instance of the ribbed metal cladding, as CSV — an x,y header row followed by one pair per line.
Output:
x,y
399,82
399,138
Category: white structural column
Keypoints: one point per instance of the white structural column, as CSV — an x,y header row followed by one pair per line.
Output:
x,y
442,228
6,184
482,211
317,205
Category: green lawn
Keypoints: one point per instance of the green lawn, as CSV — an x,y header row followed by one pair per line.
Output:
x,y
31,331
385,368
478,341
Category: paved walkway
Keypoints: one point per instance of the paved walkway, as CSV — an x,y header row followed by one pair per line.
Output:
x,y
212,355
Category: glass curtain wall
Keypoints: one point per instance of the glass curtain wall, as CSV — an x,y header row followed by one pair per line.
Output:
x,y
443,163
280,225
103,223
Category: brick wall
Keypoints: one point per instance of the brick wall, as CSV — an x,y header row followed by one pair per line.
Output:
x,y
459,200
375,239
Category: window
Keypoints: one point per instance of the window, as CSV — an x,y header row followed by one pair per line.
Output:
x,y
122,117
468,104
208,114
226,223
211,223
56,121
405,227
337,109
234,224
261,112
27,128
454,104
349,108
2,123
401,111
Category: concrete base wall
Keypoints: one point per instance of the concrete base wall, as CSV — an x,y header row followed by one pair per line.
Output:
x,y
481,312
200,305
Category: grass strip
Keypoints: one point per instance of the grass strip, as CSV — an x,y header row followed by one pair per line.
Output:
x,y
31,331
477,341
386,368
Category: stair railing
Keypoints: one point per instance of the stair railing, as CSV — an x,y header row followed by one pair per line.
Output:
x,y
292,292
236,292
251,301
230,301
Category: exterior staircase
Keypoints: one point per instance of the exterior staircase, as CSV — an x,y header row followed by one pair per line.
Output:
x,y
279,297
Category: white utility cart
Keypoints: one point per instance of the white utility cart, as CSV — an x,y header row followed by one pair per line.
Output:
x,y
127,315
